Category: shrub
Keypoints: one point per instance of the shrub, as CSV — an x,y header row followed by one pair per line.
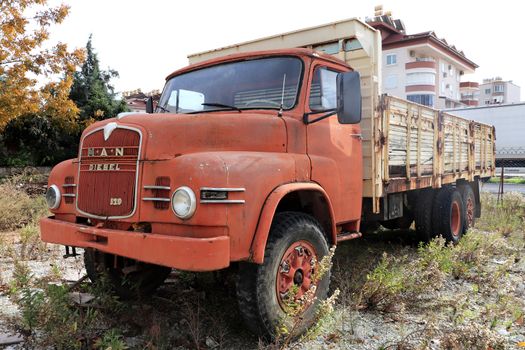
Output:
x,y
17,208
34,139
384,285
505,216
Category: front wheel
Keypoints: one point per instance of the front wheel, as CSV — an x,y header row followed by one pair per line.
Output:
x,y
127,277
295,245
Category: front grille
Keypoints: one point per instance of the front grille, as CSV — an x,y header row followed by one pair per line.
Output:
x,y
108,173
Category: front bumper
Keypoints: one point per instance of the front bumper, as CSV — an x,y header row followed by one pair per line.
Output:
x,y
184,253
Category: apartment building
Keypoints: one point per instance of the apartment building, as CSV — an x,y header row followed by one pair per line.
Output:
x,y
420,67
469,93
497,91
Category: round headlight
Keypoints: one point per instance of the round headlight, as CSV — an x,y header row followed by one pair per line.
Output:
x,y
53,197
183,202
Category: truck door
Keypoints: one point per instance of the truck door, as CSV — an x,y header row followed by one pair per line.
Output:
x,y
334,149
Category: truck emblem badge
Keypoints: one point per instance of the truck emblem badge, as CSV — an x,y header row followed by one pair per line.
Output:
x,y
108,129
114,152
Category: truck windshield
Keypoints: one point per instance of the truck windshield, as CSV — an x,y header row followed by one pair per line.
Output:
x,y
264,83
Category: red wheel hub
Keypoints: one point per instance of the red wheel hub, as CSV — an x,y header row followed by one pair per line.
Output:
x,y
296,268
455,220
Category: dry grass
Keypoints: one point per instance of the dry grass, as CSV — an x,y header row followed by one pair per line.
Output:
x,y
504,217
459,290
17,207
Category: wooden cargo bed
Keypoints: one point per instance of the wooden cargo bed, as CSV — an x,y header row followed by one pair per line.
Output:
x,y
423,147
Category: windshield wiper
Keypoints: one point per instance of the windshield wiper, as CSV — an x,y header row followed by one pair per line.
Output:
x,y
163,109
222,105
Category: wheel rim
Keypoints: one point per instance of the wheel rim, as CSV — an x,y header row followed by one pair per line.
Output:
x,y
297,268
455,220
470,211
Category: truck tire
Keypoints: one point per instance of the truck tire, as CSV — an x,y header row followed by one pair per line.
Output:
x,y
448,214
262,289
423,215
127,277
469,201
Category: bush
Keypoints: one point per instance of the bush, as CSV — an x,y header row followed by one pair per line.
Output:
x,y
18,209
38,140
505,216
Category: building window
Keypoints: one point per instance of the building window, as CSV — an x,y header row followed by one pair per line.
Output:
x,y
391,59
487,91
498,88
421,79
443,87
426,100
443,67
391,81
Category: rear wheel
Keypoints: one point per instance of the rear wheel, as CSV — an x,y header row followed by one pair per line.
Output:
x,y
128,278
295,243
423,215
469,201
449,214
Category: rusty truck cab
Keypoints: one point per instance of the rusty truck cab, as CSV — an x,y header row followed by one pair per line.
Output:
x,y
238,166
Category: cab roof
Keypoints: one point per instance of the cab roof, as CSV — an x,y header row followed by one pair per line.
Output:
x,y
299,52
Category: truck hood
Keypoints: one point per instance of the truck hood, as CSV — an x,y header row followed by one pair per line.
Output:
x,y
166,136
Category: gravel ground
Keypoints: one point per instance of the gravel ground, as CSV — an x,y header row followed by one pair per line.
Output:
x,y
199,310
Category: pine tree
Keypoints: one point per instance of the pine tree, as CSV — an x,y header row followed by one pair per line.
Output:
x,y
92,91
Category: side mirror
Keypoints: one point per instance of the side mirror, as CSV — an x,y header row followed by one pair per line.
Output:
x,y
149,105
348,98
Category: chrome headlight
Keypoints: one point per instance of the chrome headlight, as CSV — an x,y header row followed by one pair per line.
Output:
x,y
183,202
53,197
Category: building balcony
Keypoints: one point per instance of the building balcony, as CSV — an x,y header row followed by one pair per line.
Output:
x,y
467,96
469,84
420,87
470,102
420,64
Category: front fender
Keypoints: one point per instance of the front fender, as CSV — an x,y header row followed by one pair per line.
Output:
x,y
268,212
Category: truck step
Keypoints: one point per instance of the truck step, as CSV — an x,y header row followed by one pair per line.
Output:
x,y
346,236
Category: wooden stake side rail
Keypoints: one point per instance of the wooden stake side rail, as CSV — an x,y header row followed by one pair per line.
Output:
x,y
424,147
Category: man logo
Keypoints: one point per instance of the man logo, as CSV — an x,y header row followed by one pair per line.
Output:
x,y
105,152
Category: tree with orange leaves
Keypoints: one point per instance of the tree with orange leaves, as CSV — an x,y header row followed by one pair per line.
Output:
x,y
24,28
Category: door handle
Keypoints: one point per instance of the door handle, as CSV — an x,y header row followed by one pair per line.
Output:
x,y
358,136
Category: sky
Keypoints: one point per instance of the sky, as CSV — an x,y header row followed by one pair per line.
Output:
x,y
146,40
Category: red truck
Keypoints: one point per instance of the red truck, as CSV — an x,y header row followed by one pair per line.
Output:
x,y
261,161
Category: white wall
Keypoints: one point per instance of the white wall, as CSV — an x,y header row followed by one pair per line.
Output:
x,y
509,121
395,70
512,93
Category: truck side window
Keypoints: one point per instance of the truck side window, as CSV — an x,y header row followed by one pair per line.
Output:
x,y
323,90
